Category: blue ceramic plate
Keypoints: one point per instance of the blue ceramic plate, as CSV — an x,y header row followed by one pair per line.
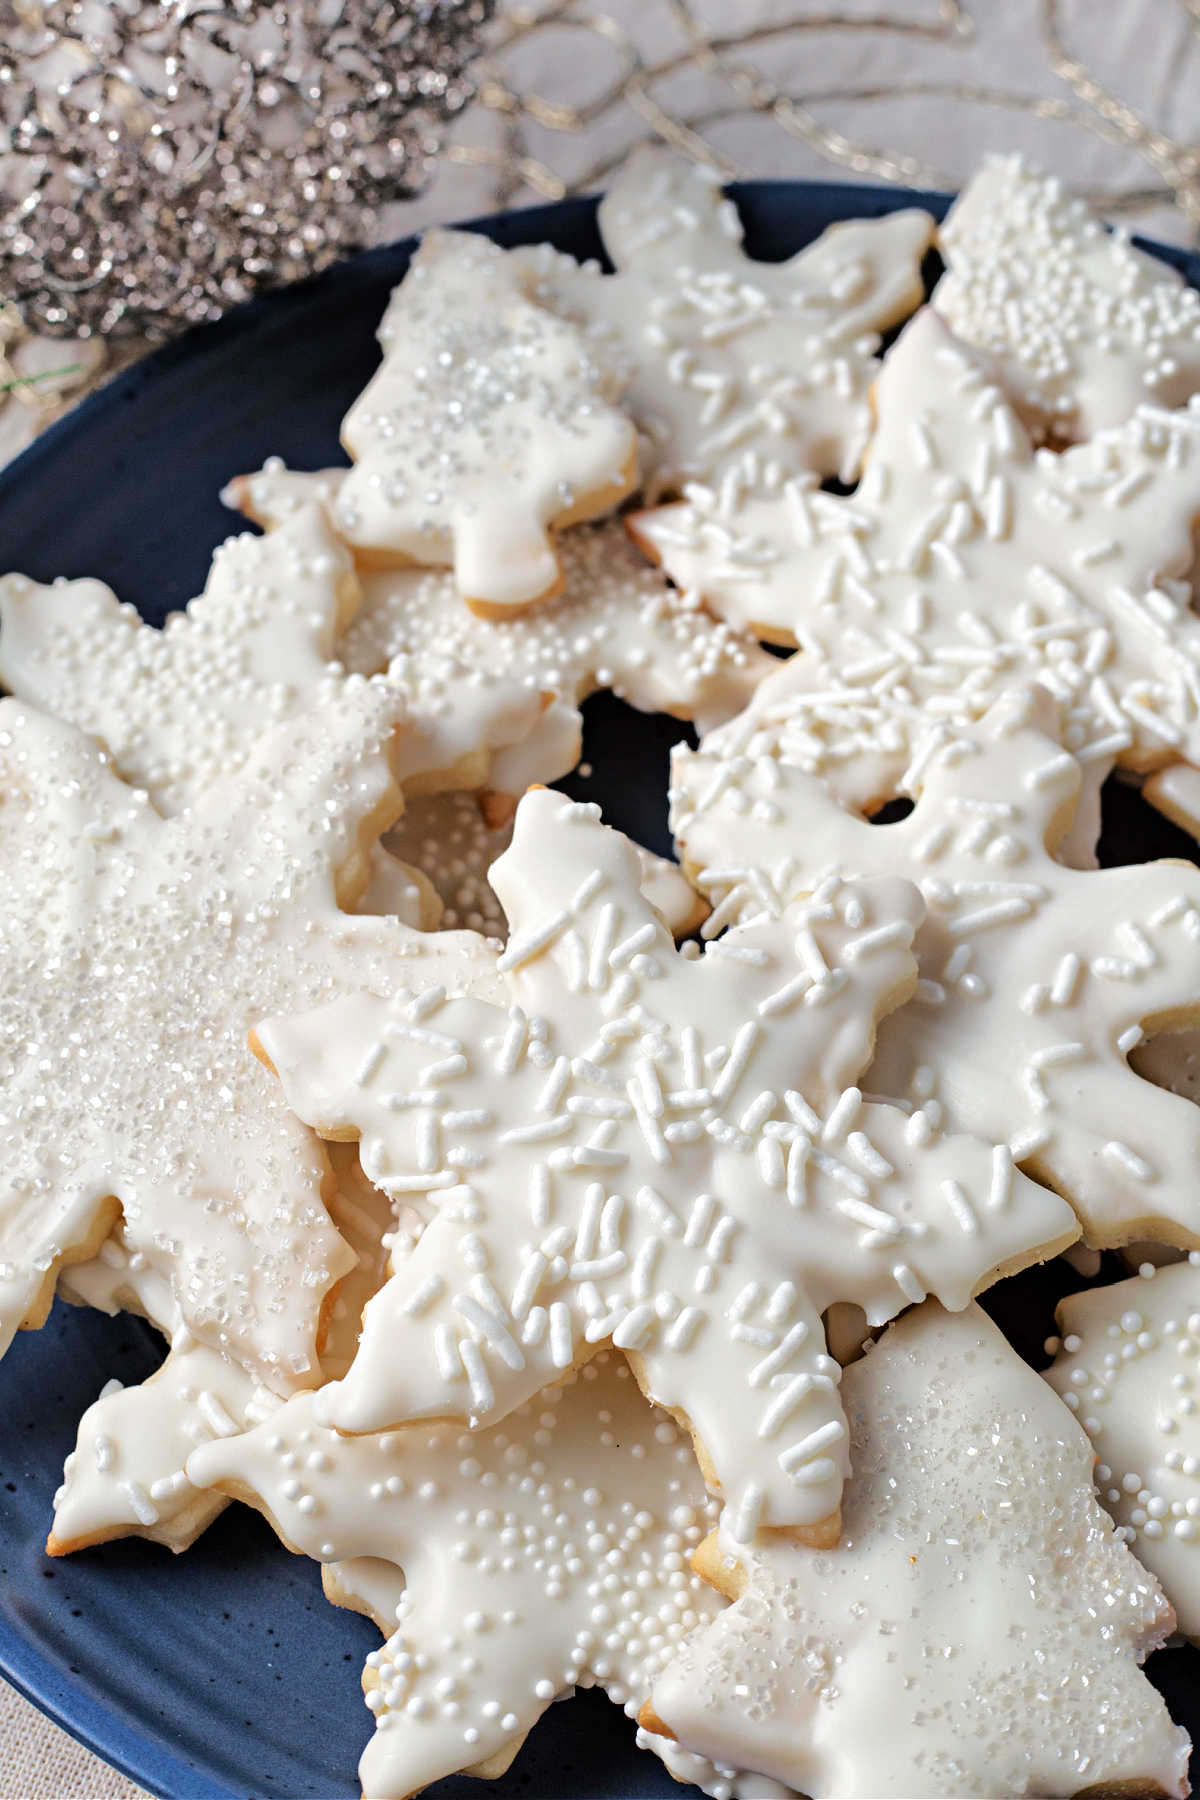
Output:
x,y
224,1674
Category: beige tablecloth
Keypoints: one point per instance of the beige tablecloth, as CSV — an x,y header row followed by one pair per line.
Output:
x,y
907,90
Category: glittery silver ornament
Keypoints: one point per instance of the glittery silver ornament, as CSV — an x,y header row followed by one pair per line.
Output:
x,y
161,160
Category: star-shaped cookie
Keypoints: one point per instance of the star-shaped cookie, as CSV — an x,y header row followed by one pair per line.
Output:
x,y
137,954
980,1627
966,562
546,1553
1037,980
1083,326
727,356
657,1149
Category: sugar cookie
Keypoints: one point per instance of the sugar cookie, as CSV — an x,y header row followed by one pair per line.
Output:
x,y
181,708
1036,980
979,1629
725,354
125,1477
1083,326
546,1553
169,937
447,840
487,423
658,1149
966,562
617,624
1126,1366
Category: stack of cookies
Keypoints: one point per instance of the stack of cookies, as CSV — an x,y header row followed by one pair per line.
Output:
x,y
574,1252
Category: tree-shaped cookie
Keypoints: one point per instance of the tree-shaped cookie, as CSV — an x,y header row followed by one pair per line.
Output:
x,y
546,1553
181,708
661,1150
137,953
727,356
1037,980
980,1627
1127,1368
616,624
966,561
125,1476
488,422
1083,326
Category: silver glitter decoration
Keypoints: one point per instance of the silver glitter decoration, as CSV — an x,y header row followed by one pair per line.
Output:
x,y
161,160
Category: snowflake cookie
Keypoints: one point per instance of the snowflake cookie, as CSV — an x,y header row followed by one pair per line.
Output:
x,y
1127,1367
181,708
125,1476
487,423
1082,325
1037,980
725,355
966,562
661,1150
979,1629
546,1553
617,624
138,953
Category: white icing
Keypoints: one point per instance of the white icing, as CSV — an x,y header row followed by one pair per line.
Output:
x,y
725,355
183,707
1036,980
546,1553
138,954
1083,326
658,1149
447,838
617,624
979,1628
966,563
1127,1368
125,1475
486,423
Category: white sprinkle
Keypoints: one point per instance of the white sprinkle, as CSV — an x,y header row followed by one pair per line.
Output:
x,y
842,1115
103,1450
787,1398
1129,1160
629,947
540,1197
562,1350
483,1396
718,1243
871,1218
168,1486
1066,979
907,1281
527,1284
699,1220
634,1328
1002,1176
642,1279
832,1432
679,1334
747,1513
525,949
513,1042
770,1365
797,1171
370,1065
141,1505
734,1066
883,937
491,1328
960,1206
217,1416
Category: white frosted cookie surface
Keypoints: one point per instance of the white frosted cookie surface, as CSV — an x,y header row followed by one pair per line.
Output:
x,y
662,1150
170,938
979,1628
1127,1367
546,1553
448,839
617,624
1036,980
966,561
487,422
725,355
1083,326
183,707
